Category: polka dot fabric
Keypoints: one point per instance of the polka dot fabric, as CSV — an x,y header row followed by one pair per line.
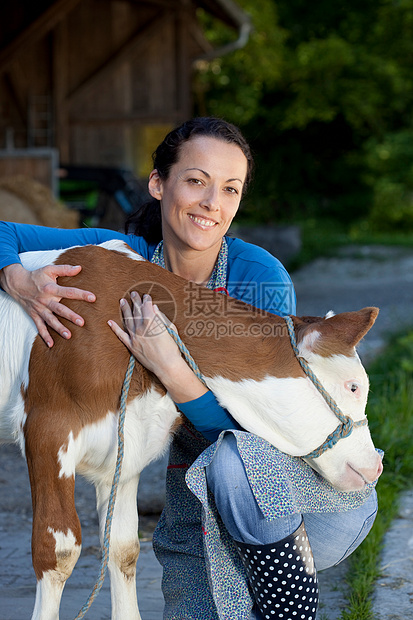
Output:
x,y
282,485
282,577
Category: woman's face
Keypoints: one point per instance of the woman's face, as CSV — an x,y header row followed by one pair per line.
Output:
x,y
201,195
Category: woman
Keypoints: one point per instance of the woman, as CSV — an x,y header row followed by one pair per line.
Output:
x,y
235,566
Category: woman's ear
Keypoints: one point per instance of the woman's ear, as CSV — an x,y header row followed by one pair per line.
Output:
x,y
155,185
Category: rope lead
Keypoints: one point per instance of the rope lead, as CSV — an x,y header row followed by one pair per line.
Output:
x,y
343,430
111,504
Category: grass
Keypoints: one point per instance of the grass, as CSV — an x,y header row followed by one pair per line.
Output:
x,y
390,410
390,413
324,237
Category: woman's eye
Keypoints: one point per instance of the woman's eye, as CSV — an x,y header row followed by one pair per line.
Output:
x,y
232,190
195,181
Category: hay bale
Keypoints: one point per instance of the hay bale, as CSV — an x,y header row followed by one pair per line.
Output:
x,y
27,201
14,209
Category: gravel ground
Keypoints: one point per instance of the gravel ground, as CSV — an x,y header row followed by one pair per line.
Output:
x,y
358,277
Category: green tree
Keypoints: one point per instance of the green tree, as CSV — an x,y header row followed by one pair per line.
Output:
x,y
233,85
322,89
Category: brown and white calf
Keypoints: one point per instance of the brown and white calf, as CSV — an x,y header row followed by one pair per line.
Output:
x,y
61,404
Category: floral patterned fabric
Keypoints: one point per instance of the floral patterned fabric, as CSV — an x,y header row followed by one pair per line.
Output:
x,y
218,278
203,577
282,485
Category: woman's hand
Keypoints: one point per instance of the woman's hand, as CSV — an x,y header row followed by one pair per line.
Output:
x,y
40,295
147,339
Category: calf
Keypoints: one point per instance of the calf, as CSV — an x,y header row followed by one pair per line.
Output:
x,y
61,404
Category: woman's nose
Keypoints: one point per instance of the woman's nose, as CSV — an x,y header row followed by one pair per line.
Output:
x,y
210,200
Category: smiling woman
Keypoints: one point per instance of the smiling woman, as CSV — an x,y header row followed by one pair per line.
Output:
x,y
201,170
199,200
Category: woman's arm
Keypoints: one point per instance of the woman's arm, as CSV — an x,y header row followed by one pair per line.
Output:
x,y
17,238
270,288
40,295
207,415
148,340
37,291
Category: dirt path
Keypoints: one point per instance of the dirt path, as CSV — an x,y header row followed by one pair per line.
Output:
x,y
358,277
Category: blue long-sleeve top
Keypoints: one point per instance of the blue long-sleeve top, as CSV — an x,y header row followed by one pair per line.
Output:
x,y
253,276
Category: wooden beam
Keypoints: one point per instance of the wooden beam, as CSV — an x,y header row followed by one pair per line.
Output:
x,y
41,26
18,104
59,89
134,45
164,3
127,119
182,61
197,35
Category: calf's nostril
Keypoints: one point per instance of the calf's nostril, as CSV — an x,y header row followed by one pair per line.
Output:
x,y
379,469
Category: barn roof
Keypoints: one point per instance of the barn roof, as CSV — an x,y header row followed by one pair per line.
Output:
x,y
22,22
101,81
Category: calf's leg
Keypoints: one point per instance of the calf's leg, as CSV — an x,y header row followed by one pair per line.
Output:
x,y
124,546
56,536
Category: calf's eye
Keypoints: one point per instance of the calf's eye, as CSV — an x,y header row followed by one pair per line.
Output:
x,y
353,387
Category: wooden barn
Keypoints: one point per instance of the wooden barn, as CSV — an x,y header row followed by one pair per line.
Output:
x,y
101,81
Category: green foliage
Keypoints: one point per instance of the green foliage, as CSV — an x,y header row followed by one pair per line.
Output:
x,y
390,164
232,86
318,238
390,413
321,90
325,236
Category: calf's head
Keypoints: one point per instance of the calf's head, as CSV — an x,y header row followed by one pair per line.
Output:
x,y
329,348
290,413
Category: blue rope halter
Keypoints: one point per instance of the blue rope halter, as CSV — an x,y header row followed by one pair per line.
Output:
x,y
344,429
346,426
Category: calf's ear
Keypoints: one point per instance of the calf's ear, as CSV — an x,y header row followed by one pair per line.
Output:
x,y
338,334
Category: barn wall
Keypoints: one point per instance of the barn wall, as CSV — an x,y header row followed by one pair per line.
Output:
x,y
39,164
104,83
25,90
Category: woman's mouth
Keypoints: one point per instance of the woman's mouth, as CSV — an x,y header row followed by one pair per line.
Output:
x,y
202,222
